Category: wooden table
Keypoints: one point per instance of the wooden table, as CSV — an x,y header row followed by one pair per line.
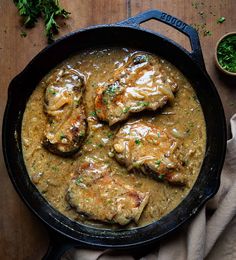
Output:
x,y
22,236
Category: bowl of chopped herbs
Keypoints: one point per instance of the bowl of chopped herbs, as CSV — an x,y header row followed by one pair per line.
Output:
x,y
225,53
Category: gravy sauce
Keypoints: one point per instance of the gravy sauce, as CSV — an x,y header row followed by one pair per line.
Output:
x,y
51,174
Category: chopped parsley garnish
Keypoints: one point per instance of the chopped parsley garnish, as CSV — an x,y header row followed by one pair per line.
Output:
x,y
62,136
109,135
109,201
158,162
52,91
137,141
54,168
111,90
81,134
100,145
93,113
161,176
221,19
126,110
79,180
88,141
104,100
226,53
143,103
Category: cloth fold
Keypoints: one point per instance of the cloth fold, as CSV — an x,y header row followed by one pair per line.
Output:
x,y
211,234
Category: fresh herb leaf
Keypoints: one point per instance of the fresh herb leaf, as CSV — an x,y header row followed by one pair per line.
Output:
x,y
31,10
221,19
137,141
50,10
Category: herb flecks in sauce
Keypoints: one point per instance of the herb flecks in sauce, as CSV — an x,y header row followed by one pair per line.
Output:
x,y
97,145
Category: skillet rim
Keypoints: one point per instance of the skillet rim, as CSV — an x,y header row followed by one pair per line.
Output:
x,y
133,232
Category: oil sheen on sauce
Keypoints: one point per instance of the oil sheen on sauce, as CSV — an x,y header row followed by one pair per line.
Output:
x,y
52,174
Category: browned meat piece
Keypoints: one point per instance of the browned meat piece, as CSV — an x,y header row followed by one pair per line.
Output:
x,y
140,84
143,147
63,105
99,194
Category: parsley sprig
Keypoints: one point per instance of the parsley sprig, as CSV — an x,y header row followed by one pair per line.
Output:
x,y
31,10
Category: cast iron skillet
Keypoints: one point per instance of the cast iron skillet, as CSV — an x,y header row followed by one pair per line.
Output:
x,y
127,34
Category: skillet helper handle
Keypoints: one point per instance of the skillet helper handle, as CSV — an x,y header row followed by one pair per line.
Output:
x,y
55,251
57,246
174,22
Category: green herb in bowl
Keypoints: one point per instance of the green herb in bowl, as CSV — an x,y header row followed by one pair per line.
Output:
x,y
226,53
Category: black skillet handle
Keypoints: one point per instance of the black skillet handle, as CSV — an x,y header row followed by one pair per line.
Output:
x,y
58,245
174,22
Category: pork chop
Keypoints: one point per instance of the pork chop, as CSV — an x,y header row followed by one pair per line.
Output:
x,y
63,106
140,84
143,147
99,194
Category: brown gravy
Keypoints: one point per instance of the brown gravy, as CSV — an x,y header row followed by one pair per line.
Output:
x,y
52,174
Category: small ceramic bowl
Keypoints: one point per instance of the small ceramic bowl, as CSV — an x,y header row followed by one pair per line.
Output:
x,y
216,58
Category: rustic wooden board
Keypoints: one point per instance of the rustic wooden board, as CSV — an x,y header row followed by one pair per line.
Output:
x,y
22,236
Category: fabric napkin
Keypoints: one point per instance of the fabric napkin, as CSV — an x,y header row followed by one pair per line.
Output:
x,y
210,235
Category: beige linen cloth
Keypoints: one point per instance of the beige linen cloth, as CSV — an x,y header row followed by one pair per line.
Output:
x,y
211,234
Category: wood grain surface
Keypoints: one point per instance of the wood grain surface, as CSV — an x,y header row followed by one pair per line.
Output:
x,y
22,236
